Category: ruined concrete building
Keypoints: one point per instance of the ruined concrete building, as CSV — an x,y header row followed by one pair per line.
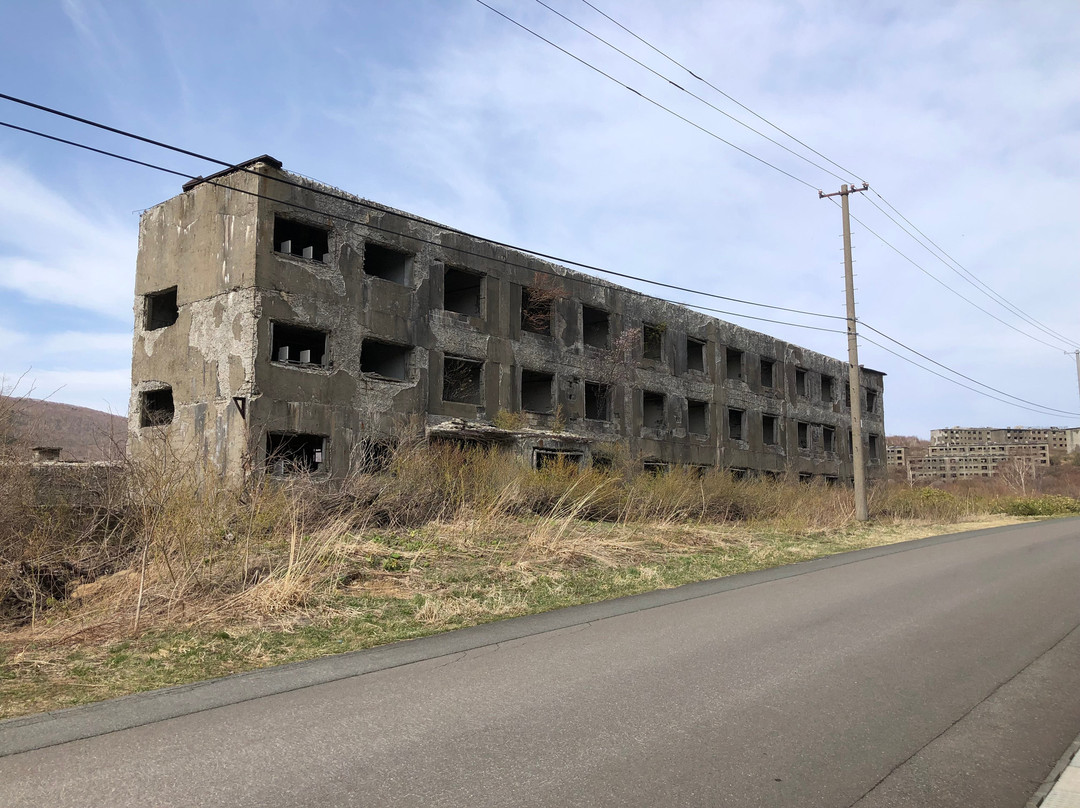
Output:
x,y
283,324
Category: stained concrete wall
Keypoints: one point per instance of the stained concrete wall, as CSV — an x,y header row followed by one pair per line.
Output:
x,y
217,246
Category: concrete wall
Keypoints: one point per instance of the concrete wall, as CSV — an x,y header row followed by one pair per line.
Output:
x,y
234,289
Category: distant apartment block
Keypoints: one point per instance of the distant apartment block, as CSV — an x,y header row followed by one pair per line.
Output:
x,y
967,452
281,324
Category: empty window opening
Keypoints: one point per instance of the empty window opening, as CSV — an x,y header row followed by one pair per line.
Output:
x,y
804,435
800,382
653,337
461,379
374,455
554,458
652,410
536,307
597,401
873,446
806,477
697,417
695,354
767,366
291,453
161,309
595,327
828,389
156,407
831,480
735,420
303,240
733,363
463,292
769,431
386,263
297,344
384,359
656,467
847,396
828,439
871,400
536,391
739,474
850,444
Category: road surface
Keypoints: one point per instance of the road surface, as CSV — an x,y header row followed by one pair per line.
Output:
x,y
943,672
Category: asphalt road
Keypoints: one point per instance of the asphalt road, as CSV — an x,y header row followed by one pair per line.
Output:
x,y
944,672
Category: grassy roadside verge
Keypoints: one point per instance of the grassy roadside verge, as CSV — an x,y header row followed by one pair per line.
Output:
x,y
345,589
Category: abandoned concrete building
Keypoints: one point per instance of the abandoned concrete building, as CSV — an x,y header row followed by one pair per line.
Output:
x,y
282,324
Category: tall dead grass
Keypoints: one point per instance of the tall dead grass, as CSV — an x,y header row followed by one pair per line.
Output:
x,y
166,542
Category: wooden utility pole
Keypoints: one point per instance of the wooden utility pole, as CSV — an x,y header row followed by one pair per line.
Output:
x,y
862,512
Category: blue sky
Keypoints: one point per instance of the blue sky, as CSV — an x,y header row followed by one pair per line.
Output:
x,y
964,116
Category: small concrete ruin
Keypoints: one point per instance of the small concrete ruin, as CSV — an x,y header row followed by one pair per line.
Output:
x,y
283,325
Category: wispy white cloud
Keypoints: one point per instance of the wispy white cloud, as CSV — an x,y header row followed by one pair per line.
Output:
x,y
52,251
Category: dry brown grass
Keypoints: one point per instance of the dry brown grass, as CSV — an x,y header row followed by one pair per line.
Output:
x,y
447,536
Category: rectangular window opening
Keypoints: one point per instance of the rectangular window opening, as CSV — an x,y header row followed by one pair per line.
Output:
x,y
463,292
767,366
386,263
871,400
301,240
828,438
652,410
655,467
735,420
156,407
733,361
697,417
161,309
695,354
828,389
536,391
462,380
769,432
536,308
385,359
557,459
873,447
653,341
294,453
297,344
597,401
595,327
804,435
800,382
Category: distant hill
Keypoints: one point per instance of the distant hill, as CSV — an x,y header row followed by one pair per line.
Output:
x,y
82,433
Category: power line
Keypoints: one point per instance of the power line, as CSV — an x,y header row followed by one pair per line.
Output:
x,y
717,89
410,217
938,280
370,226
692,94
961,375
644,97
960,384
973,279
967,275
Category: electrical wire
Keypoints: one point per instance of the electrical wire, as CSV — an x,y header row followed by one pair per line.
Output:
x,y
960,384
692,94
972,279
964,273
418,239
938,280
644,97
410,217
717,89
958,373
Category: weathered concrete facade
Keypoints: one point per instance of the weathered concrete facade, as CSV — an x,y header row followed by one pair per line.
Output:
x,y
294,321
